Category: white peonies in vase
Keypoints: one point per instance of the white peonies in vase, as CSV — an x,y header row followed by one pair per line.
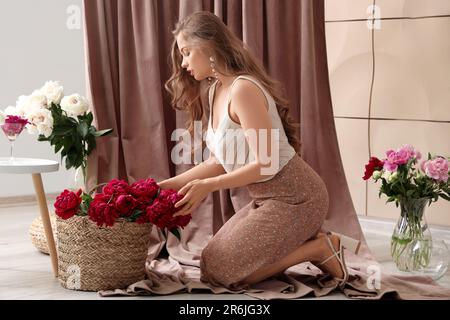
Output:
x,y
64,121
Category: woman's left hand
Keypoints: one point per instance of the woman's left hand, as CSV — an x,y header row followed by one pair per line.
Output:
x,y
194,193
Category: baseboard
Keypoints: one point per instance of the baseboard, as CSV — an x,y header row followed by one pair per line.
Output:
x,y
25,200
385,227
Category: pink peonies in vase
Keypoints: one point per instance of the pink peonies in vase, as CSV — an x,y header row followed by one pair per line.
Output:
x,y
140,202
404,178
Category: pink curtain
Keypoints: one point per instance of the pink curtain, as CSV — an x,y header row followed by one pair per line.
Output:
x,y
127,48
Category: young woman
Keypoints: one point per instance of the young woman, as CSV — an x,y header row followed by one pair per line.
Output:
x,y
281,226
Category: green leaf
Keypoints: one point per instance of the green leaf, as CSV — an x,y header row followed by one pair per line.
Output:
x,y
136,214
86,197
72,121
84,208
41,137
71,158
102,133
62,131
58,146
83,129
89,118
176,233
91,144
68,163
78,160
444,196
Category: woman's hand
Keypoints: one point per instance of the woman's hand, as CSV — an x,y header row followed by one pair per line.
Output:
x,y
194,193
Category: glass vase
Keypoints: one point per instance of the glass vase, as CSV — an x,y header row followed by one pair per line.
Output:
x,y
78,180
411,228
438,262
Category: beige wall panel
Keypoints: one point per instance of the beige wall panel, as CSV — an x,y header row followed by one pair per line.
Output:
x,y
412,70
346,9
413,8
350,67
424,136
352,138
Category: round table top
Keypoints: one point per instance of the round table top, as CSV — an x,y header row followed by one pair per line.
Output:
x,y
27,165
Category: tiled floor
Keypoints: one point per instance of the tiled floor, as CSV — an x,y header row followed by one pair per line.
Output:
x,y
25,273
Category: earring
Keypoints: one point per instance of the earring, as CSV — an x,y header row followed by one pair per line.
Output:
x,y
213,68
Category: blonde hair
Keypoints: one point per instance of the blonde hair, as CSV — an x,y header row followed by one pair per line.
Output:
x,y
230,54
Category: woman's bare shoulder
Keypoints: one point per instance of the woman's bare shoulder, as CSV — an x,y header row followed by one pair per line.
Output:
x,y
246,92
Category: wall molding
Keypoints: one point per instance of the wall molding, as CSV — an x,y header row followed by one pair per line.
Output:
x,y
24,200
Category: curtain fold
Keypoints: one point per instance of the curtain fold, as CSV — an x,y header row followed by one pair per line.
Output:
x,y
127,48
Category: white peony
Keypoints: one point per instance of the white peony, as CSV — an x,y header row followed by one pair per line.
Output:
x,y
75,105
13,111
37,100
41,122
22,105
53,91
2,117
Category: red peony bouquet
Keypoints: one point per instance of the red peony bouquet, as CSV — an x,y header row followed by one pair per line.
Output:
x,y
140,202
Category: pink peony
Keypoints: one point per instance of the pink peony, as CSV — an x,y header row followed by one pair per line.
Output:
x,y
437,169
16,119
399,157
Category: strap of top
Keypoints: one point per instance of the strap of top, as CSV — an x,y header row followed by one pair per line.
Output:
x,y
213,90
252,80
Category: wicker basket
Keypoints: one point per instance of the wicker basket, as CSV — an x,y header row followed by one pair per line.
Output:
x,y
37,233
92,258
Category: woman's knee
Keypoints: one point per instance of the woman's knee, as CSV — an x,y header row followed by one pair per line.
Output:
x,y
214,265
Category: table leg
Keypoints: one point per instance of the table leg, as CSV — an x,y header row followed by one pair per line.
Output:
x,y
42,201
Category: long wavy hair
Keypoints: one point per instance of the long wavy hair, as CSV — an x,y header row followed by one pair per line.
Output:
x,y
232,58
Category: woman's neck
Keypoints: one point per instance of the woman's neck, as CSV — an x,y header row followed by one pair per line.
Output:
x,y
225,81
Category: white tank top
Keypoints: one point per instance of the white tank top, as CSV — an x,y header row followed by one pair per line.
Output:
x,y
228,143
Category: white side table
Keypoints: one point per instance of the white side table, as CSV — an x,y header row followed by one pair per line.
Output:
x,y
35,167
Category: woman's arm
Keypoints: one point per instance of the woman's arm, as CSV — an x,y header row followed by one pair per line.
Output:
x,y
207,169
248,101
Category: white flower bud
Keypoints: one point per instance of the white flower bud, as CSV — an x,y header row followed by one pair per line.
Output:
x,y
393,177
376,174
386,175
